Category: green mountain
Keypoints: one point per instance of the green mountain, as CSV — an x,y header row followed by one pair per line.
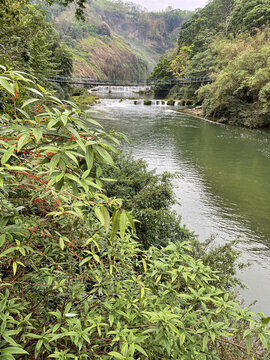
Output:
x,y
228,40
117,40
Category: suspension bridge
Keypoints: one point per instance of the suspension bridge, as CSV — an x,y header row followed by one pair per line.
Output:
x,y
88,82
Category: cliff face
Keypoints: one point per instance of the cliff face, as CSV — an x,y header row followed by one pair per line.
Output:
x,y
108,57
117,40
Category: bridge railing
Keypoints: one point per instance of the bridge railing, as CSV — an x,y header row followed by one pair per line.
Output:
x,y
115,82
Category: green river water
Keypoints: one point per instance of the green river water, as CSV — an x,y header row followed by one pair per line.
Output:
x,y
223,184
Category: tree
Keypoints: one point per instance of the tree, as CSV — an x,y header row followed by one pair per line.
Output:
x,y
213,19
248,15
12,7
163,69
31,44
241,88
181,61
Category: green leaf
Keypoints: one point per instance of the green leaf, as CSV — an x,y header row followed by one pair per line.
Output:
x,y
131,221
144,265
25,114
141,350
37,132
72,157
23,140
61,243
29,101
9,250
248,344
104,154
115,224
6,85
87,259
41,88
103,216
35,91
14,267
123,224
205,342
2,239
264,340
54,161
8,153
13,350
89,155
265,320
116,355
182,338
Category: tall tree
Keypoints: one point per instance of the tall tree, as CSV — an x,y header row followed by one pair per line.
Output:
x,y
248,15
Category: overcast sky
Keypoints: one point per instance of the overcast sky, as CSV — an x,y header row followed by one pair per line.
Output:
x,y
176,4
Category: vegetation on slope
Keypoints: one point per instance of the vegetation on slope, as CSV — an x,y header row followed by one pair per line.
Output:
x,y
229,41
129,48
75,283
30,43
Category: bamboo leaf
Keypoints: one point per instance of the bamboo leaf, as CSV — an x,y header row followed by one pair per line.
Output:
x,y
104,154
123,224
23,140
29,101
248,344
2,239
7,154
14,266
103,216
37,132
6,85
205,342
144,265
61,243
89,157
115,224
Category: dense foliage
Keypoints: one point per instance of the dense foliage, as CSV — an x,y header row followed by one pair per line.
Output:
x,y
12,7
229,41
241,90
30,43
149,197
74,282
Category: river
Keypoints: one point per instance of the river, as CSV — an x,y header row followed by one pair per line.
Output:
x,y
223,184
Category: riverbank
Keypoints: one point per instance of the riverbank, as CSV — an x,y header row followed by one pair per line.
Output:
x,y
82,97
195,112
198,113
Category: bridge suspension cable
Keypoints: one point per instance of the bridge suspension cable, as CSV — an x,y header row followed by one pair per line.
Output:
x,y
112,82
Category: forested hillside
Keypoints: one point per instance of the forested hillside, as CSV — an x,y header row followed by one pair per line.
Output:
x,y
113,41
117,40
229,41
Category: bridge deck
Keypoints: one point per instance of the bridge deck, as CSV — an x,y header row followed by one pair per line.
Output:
x,y
101,82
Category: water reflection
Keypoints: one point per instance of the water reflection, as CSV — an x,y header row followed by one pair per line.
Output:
x,y
224,179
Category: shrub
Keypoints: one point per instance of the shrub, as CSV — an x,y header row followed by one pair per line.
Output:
x,y
147,102
74,282
185,102
171,102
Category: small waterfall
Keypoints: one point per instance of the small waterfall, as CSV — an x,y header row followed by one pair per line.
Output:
x,y
119,89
